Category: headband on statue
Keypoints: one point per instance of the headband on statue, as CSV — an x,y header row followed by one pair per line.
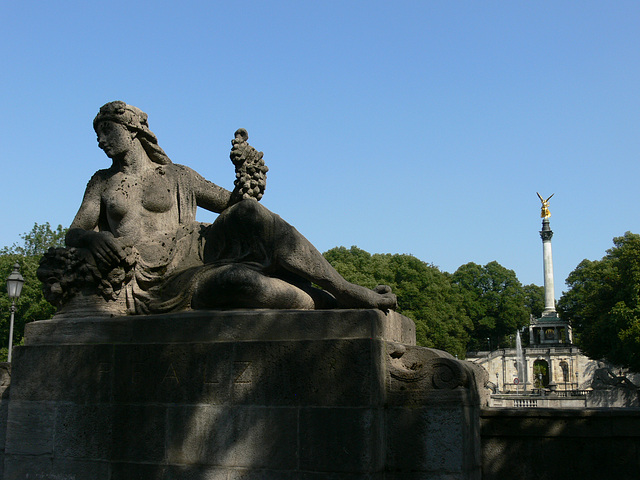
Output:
x,y
135,120
131,117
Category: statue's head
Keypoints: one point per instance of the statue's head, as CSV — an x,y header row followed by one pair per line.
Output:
x,y
135,120
131,117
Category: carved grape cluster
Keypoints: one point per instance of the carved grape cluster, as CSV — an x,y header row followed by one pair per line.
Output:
x,y
251,172
65,272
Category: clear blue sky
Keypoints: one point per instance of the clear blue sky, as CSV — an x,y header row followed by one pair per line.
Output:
x,y
416,127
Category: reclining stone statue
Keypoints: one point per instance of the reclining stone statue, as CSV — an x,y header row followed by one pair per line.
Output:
x,y
604,378
135,246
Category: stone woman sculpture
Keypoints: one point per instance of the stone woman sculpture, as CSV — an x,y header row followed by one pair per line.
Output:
x,y
135,247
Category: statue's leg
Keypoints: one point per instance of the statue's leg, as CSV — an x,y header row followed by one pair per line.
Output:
x,y
296,254
248,231
240,286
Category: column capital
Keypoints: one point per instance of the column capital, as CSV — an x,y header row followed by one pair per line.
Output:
x,y
546,233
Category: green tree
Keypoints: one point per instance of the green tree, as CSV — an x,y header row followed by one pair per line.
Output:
x,y
31,305
534,299
36,242
425,294
494,300
539,374
603,303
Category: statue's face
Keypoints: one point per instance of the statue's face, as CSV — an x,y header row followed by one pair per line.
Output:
x,y
114,139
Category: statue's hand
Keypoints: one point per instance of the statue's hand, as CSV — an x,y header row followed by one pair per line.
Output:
x,y
106,250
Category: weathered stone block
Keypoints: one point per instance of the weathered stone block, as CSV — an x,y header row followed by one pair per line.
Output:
x,y
30,428
579,443
255,437
173,373
139,432
614,397
20,468
432,435
342,476
297,373
342,439
84,431
5,381
130,471
62,373
141,471
248,373
224,326
429,476
4,410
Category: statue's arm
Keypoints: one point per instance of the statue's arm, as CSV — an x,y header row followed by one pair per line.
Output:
x,y
86,220
84,231
208,195
250,178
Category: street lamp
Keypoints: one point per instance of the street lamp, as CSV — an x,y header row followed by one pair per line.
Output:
x,y
14,288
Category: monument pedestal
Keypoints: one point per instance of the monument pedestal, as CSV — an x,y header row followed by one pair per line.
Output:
x,y
339,394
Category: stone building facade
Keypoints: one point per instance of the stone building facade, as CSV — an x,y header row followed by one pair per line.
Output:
x,y
562,366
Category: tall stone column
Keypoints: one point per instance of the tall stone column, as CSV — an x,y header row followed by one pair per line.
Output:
x,y
549,291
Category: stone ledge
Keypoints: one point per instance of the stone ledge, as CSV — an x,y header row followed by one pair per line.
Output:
x,y
225,326
557,422
554,413
553,443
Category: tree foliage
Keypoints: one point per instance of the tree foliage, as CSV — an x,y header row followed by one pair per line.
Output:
x,y
453,312
425,294
603,303
31,305
36,242
495,301
534,299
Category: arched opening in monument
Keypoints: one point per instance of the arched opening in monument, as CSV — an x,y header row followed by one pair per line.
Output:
x,y
564,366
541,373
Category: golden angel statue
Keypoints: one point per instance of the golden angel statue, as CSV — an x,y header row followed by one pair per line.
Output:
x,y
545,213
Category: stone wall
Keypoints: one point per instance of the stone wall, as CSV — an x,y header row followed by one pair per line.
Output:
x,y
540,444
619,397
255,396
5,380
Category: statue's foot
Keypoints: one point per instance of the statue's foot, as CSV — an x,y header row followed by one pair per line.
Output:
x,y
360,297
388,300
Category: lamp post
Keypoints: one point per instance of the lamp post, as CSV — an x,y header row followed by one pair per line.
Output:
x,y
14,288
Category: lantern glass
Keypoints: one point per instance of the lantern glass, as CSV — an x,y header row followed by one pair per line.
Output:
x,y
15,282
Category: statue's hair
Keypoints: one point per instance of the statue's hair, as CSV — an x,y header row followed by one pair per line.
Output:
x,y
136,121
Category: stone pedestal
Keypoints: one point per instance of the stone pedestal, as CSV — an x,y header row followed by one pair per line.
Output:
x,y
287,395
5,380
614,397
